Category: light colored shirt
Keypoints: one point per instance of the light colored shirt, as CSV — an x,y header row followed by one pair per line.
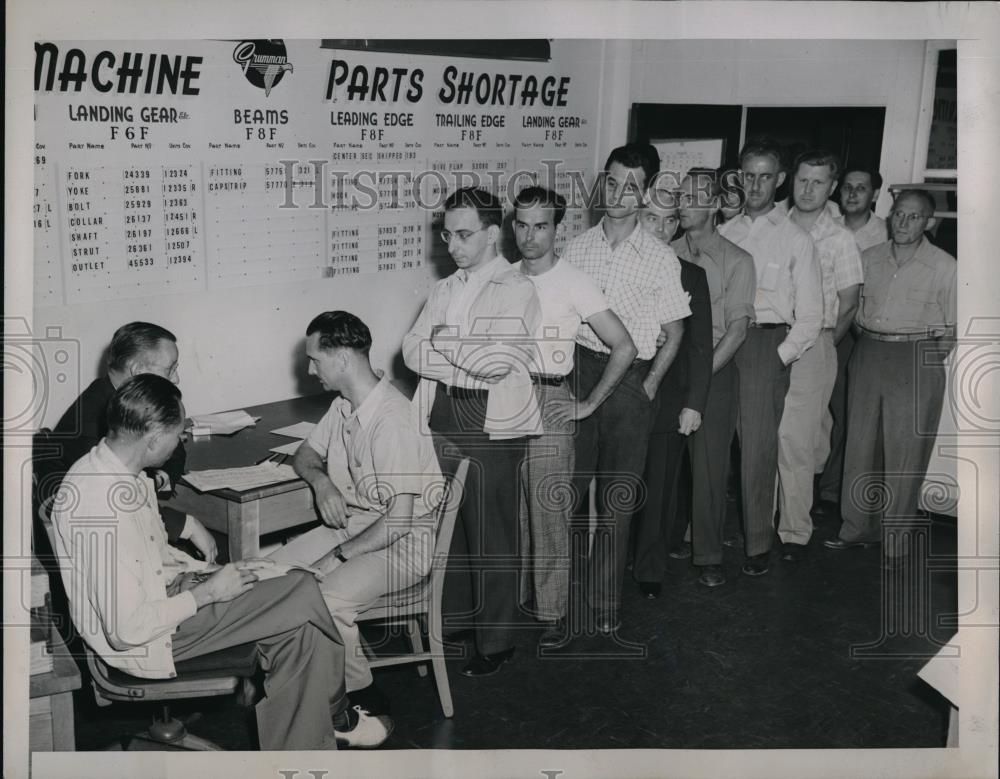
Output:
x,y
871,233
919,296
492,325
116,565
732,279
376,452
789,289
568,297
839,262
641,278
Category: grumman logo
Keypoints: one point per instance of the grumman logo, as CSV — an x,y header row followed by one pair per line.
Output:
x,y
264,62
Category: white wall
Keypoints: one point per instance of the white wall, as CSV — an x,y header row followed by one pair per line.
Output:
x,y
792,73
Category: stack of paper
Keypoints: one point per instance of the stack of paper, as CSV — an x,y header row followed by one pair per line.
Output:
x,y
41,657
299,430
225,422
240,479
39,584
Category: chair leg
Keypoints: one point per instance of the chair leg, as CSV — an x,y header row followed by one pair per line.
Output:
x,y
436,641
416,643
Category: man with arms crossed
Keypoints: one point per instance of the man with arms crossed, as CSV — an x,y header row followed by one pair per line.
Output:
x,y
788,315
138,347
641,279
859,189
143,606
803,445
732,281
568,297
371,472
896,379
472,344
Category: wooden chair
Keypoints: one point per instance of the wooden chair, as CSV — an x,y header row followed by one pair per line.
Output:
x,y
423,599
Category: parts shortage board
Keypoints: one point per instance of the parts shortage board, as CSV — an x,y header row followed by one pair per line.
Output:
x,y
192,166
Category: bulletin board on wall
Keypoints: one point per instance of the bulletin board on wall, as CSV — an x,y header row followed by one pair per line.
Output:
x,y
178,167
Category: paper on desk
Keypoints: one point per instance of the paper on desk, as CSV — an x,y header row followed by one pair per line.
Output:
x,y
272,569
288,449
225,422
240,478
299,430
941,671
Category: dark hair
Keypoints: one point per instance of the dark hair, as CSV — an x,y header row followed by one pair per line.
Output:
x,y
143,404
763,147
706,177
817,158
488,206
133,339
545,198
873,174
636,155
341,330
922,194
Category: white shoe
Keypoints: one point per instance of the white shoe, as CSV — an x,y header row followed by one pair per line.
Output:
x,y
365,732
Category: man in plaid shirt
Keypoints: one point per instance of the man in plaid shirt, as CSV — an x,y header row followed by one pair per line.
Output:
x,y
640,276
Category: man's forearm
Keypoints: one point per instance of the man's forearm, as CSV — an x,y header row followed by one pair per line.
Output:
x,y
617,366
309,465
844,320
376,536
729,344
666,353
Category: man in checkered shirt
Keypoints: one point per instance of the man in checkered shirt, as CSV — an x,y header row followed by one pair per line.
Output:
x,y
640,276
803,438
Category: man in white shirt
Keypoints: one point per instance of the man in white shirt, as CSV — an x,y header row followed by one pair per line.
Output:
x,y
803,444
859,189
641,278
568,297
473,344
374,477
143,606
788,315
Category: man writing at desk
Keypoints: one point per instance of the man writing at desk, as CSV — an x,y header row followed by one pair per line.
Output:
x,y
372,474
142,606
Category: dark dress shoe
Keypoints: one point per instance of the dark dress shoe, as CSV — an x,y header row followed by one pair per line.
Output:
x,y
681,552
712,576
757,565
650,590
840,544
554,635
792,553
487,665
606,622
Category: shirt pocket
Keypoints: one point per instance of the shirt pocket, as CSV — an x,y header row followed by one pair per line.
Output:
x,y
768,278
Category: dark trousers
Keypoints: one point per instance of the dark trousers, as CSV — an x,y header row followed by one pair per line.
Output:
x,y
763,384
659,526
484,564
710,448
611,449
833,471
895,392
299,650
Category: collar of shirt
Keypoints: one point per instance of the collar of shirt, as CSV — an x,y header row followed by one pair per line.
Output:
x,y
777,215
484,273
364,413
924,254
109,463
712,247
633,239
823,227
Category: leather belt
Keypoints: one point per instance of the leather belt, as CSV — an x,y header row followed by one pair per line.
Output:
x,y
461,393
547,381
605,356
895,337
768,325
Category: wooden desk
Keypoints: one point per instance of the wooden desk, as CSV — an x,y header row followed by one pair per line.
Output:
x,y
55,731
246,516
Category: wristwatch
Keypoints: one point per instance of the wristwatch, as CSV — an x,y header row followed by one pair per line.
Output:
x,y
339,554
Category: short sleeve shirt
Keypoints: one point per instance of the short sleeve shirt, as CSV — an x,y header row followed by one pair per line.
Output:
x,y
568,297
732,279
376,452
919,296
641,278
839,262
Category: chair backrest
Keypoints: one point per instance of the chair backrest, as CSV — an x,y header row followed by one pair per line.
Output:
x,y
448,509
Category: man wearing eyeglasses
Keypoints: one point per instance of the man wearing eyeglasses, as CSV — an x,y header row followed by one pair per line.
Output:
x,y
473,345
641,278
788,315
896,379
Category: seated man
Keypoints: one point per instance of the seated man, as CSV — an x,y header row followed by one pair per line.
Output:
x,y
373,475
142,605
138,347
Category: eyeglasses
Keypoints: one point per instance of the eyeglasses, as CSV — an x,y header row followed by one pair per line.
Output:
x,y
908,219
461,235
